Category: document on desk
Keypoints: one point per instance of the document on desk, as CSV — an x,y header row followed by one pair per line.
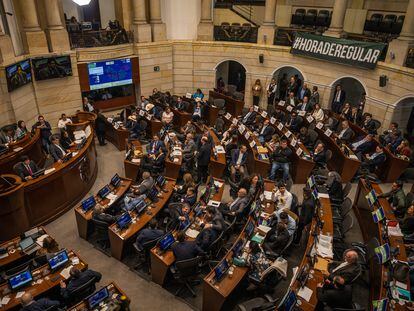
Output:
x,y
136,160
268,195
40,239
305,293
65,273
19,294
112,196
191,233
5,300
264,229
213,203
50,170
394,230
323,195
17,149
218,184
321,264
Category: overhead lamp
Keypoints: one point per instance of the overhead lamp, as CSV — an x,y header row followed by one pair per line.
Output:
x,y
82,2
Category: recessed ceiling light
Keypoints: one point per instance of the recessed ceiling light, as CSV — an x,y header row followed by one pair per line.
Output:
x,y
82,2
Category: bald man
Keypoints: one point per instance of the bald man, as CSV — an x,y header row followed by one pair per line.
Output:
x,y
349,269
29,304
236,208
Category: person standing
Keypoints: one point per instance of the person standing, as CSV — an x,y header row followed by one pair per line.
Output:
x,y
100,128
271,92
338,99
203,159
45,132
256,91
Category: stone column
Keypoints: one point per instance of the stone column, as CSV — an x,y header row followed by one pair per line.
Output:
x,y
6,47
267,30
338,16
142,30
398,48
56,32
35,36
205,30
159,31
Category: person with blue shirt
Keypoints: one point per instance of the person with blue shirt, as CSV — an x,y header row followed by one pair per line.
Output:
x,y
198,94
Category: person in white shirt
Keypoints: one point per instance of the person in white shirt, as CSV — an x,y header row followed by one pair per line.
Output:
x,y
167,116
318,113
63,121
271,92
87,106
282,197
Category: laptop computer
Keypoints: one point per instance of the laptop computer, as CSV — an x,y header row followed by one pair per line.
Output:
x,y
28,245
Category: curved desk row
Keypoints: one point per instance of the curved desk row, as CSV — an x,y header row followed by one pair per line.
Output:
x,y
80,121
233,106
30,145
38,201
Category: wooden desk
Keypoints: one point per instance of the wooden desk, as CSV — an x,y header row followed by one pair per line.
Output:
x,y
119,239
160,263
172,167
180,117
83,220
233,106
211,114
116,136
80,121
31,146
154,127
50,281
370,229
132,168
112,287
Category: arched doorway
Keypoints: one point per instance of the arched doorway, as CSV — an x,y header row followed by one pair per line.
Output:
x,y
354,90
404,115
282,76
233,73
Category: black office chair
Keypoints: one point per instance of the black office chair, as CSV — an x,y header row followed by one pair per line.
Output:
x,y
185,273
310,18
338,214
238,95
219,103
373,23
297,18
144,254
263,304
322,20
386,24
81,293
215,247
101,231
340,232
397,26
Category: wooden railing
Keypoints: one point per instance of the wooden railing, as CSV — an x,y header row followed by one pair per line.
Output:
x,y
236,33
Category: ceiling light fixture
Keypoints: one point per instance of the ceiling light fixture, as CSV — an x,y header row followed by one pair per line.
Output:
x,y
82,2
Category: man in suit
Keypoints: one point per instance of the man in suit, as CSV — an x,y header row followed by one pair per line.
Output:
x,y
7,137
188,151
238,162
45,131
236,208
203,159
26,168
369,124
363,146
29,304
77,279
294,123
304,92
307,211
304,105
145,185
56,150
397,198
292,100
319,155
249,118
314,97
356,116
148,234
155,147
180,105
212,227
338,295
184,250
349,268
346,134
338,99
266,132
278,240
373,161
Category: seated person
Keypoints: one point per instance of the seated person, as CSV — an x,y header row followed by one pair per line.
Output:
x,y
56,150
29,304
198,95
173,140
304,105
334,185
266,132
254,183
145,185
238,162
188,128
184,250
155,147
273,143
396,139
331,123
292,100
305,138
180,104
282,197
198,112
99,214
346,134
258,263
386,137
348,269
278,240
337,295
369,124
154,163
229,134
249,118
190,197
49,247
407,223
148,234
356,116
26,168
403,149
279,115
396,197
363,146
294,122
63,121
212,227
237,207
7,136
319,155
280,216
167,116
346,111
373,161
280,159
65,141
77,279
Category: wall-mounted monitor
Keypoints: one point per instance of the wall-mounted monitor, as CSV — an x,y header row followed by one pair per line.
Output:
x,y
45,68
110,73
18,74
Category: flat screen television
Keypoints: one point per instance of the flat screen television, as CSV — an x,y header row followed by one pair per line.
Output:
x,y
110,73
18,74
45,68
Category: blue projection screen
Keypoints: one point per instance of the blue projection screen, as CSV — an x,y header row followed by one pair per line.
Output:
x,y
110,73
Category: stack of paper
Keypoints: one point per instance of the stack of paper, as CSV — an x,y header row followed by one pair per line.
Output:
x,y
264,229
79,135
324,246
40,239
176,153
218,184
88,131
394,230
65,273
305,293
268,195
191,233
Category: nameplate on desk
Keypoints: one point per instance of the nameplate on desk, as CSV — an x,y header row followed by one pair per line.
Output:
x,y
188,95
116,126
227,116
141,113
288,133
252,144
241,128
256,108
280,126
319,125
17,149
293,142
234,121
272,120
302,113
247,135
281,103
310,119
299,151
328,132
289,108
50,170
264,114
149,117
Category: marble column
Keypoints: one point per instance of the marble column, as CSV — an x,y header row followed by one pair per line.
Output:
x,y
267,30
398,48
205,30
35,36
159,31
338,16
55,32
142,30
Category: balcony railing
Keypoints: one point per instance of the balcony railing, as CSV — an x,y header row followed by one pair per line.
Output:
x,y
91,38
236,33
